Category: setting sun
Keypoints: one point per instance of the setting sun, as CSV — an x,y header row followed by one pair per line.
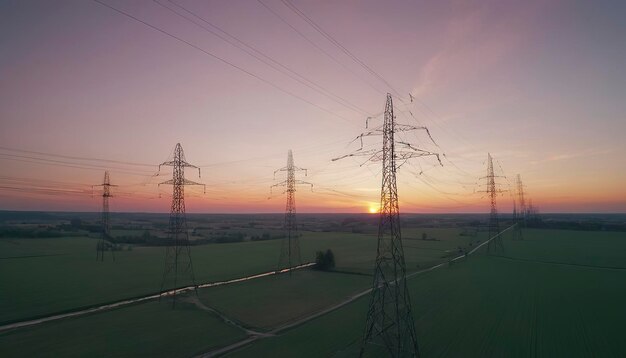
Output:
x,y
373,209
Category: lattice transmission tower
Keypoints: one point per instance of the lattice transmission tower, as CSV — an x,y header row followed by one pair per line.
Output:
x,y
519,209
494,245
390,329
290,248
178,263
105,238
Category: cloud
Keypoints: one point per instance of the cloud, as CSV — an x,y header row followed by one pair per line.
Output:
x,y
477,38
568,156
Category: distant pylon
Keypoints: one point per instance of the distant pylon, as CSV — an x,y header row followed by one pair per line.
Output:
x,y
105,237
390,329
290,248
520,209
177,254
494,245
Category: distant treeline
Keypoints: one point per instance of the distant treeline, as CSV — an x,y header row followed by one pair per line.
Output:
x,y
33,233
147,239
577,225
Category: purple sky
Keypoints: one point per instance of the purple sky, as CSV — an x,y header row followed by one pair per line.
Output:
x,y
539,84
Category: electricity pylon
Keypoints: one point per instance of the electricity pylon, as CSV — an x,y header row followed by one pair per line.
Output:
x,y
290,248
519,213
106,225
389,328
177,254
494,245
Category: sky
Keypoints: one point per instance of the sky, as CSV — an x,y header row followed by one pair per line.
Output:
x,y
89,86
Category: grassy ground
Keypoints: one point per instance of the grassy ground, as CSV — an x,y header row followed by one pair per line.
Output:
x,y
47,284
554,294
494,307
148,330
45,276
275,300
356,253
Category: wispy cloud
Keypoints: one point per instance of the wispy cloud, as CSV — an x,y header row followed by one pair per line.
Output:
x,y
577,155
477,38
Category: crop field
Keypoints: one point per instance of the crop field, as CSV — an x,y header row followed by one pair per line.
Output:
x,y
491,306
555,293
268,302
150,330
66,269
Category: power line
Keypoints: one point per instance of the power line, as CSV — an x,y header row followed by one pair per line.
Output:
x,y
332,40
262,57
43,161
305,37
76,158
221,59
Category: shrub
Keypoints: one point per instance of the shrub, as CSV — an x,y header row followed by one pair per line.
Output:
x,y
324,261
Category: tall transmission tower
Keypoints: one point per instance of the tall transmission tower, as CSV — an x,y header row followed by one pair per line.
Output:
x,y
494,245
178,262
290,248
389,328
519,213
105,237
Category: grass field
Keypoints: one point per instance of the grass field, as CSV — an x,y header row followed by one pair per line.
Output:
x,y
67,272
269,302
493,307
554,294
149,330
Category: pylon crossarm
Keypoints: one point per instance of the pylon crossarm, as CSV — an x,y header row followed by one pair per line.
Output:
x,y
401,155
283,169
406,128
189,182
282,183
303,169
304,183
171,181
358,153
367,120
411,147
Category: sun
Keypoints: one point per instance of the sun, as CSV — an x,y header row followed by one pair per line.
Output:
x,y
373,209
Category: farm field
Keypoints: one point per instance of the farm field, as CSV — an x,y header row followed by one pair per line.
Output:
x,y
65,269
532,301
269,302
150,329
492,307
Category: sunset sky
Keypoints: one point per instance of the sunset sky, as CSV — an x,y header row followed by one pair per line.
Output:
x,y
541,85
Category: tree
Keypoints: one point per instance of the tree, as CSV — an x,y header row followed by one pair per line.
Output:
x,y
324,261
330,259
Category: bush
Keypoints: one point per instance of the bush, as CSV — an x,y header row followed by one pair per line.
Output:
x,y
324,261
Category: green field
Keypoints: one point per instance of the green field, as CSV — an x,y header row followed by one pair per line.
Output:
x,y
269,302
494,307
555,294
67,272
149,330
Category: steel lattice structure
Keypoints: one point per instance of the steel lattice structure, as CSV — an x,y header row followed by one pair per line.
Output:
x,y
290,248
519,213
104,241
494,245
178,253
389,328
